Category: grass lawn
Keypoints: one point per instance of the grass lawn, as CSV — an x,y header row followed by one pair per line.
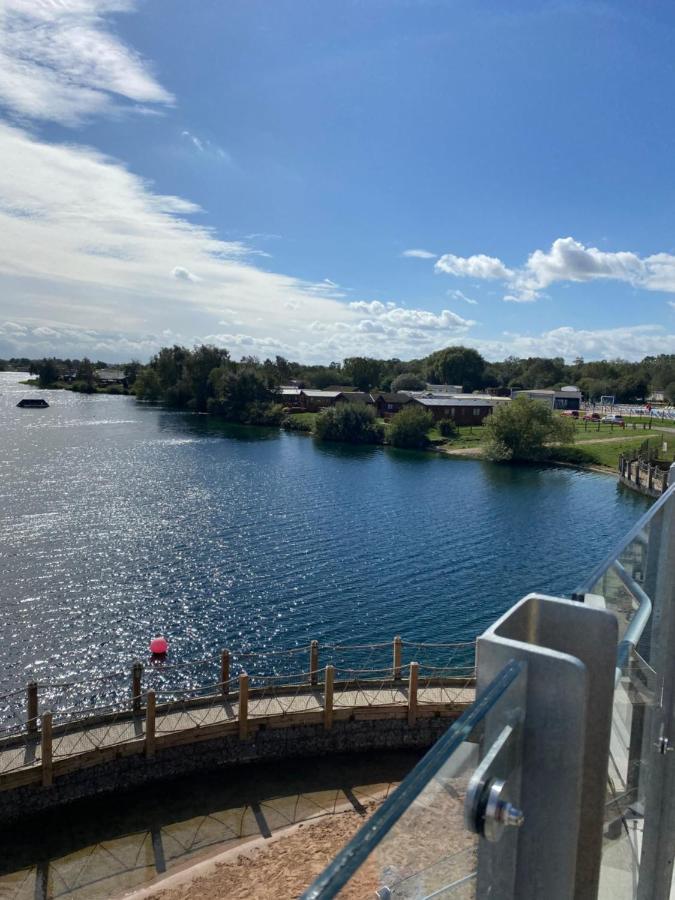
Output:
x,y
591,431
469,436
607,452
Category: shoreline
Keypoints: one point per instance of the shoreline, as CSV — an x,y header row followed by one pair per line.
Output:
x,y
445,449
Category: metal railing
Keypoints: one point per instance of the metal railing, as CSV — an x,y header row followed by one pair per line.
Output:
x,y
559,781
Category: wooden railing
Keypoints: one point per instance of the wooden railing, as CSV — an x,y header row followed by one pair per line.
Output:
x,y
44,744
645,474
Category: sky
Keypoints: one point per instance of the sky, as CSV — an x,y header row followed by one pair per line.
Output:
x,y
328,178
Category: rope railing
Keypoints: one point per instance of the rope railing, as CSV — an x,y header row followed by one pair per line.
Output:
x,y
46,722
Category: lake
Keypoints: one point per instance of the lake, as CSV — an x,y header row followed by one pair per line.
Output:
x,y
120,520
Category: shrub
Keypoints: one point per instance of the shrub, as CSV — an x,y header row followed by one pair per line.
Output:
x,y
409,427
296,423
522,429
263,414
351,422
447,428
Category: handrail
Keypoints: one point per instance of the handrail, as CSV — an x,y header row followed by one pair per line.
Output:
x,y
597,573
636,625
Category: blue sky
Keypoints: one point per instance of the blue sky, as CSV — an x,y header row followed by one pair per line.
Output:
x,y
256,174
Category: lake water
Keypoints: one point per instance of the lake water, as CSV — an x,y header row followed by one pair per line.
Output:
x,y
120,520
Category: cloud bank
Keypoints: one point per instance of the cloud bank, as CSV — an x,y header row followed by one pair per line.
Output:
x,y
568,260
59,60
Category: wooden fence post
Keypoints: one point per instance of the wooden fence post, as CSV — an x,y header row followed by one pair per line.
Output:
x,y
243,706
46,749
225,672
32,707
412,693
314,662
328,697
150,708
136,676
396,665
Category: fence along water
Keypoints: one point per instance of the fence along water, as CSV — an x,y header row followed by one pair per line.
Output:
x,y
316,682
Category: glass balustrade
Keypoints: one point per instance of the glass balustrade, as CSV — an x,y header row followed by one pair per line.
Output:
x,y
429,838
417,844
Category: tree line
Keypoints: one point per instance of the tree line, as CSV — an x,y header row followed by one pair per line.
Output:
x,y
207,379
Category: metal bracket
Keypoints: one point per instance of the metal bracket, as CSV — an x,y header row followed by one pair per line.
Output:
x,y
487,807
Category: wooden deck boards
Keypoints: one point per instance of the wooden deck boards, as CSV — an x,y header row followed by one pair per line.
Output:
x,y
21,759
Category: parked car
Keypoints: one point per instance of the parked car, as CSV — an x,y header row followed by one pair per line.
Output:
x,y
592,417
573,413
612,420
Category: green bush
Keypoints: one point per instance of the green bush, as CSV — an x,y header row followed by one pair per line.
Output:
x,y
351,422
409,427
447,428
263,414
296,423
523,429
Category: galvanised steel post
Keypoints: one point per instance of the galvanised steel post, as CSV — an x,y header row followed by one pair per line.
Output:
x,y
560,786
658,844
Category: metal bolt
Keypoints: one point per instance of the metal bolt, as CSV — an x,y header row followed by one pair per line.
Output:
x,y
511,815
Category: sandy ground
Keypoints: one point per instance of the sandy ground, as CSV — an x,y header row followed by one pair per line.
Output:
x,y
280,869
427,848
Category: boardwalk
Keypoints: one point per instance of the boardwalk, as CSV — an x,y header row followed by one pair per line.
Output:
x,y
50,752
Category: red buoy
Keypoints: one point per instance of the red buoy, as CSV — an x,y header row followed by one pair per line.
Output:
x,y
159,646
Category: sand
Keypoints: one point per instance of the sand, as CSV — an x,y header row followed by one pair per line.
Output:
x,y
279,869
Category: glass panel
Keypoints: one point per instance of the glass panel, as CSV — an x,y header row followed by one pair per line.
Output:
x,y
626,584
417,844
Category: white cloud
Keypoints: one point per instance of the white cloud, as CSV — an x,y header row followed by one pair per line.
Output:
x,y
458,295
568,260
87,242
60,60
180,273
399,317
419,254
629,342
479,266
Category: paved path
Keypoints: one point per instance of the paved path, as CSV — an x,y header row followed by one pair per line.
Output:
x,y
77,738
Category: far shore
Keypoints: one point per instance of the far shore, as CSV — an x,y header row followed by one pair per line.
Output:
x,y
603,457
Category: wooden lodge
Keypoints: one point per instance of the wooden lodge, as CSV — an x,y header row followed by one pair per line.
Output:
x,y
389,404
462,410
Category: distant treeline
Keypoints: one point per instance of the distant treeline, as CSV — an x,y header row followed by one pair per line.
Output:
x,y
206,379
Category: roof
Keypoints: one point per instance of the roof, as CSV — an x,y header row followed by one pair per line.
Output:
x,y
319,394
111,373
392,398
290,392
357,396
445,388
451,401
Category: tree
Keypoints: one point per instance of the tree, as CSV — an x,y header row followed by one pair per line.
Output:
x,y
239,393
85,374
456,365
146,384
363,371
408,381
409,427
197,368
47,372
521,430
353,423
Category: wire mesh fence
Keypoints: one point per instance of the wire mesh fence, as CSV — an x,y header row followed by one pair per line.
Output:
x,y
110,710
